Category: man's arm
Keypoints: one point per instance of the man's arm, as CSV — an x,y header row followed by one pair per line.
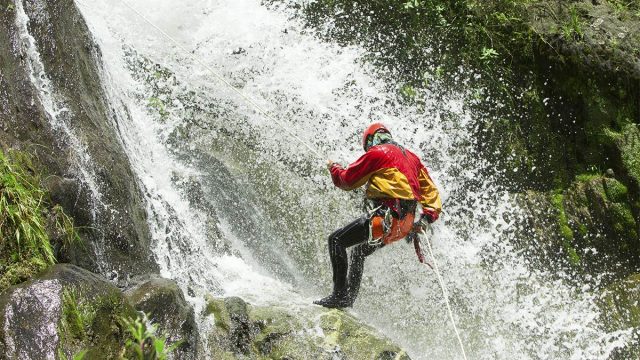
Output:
x,y
356,174
430,196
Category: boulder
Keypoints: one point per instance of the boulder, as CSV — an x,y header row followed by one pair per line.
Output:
x,y
164,303
243,330
62,312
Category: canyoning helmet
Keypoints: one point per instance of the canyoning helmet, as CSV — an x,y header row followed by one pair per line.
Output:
x,y
370,133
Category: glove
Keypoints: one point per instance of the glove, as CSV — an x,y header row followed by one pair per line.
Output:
x,y
429,216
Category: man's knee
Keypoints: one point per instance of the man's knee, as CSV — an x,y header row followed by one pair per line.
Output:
x,y
333,238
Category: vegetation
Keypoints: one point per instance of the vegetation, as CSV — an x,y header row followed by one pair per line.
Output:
x,y
566,233
143,343
76,321
27,221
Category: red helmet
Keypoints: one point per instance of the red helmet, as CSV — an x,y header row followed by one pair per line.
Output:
x,y
370,131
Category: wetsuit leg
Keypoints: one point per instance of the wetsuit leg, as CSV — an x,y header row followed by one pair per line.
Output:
x,y
356,267
354,233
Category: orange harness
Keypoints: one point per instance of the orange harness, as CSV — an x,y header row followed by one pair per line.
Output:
x,y
393,230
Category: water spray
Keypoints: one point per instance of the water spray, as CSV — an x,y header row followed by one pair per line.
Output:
x,y
250,101
246,98
424,240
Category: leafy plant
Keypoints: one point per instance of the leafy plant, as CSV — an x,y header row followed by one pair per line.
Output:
x,y
574,28
412,4
488,54
25,247
143,343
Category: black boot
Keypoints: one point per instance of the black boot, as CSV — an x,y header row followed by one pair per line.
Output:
x,y
338,299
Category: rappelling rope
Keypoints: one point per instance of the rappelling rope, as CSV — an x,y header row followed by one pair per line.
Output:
x,y
248,99
445,293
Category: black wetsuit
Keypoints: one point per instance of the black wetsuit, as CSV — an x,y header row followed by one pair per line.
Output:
x,y
355,234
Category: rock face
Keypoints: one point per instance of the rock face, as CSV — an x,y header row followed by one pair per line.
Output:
x,y
620,304
63,311
163,301
591,224
242,330
52,106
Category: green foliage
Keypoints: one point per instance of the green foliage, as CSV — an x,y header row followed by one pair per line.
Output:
x,y
25,247
488,54
573,29
75,323
143,343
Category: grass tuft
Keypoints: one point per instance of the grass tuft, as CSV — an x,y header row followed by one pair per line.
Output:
x,y
25,247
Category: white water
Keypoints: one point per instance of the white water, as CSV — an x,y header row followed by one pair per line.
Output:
x,y
188,130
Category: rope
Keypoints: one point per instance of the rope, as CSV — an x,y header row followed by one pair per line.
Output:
x,y
248,99
445,293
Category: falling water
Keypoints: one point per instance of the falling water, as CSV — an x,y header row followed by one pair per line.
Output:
x,y
239,207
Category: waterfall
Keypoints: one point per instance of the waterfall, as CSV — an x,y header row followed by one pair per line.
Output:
x,y
237,207
59,117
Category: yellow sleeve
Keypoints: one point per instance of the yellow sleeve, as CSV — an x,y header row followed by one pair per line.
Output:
x,y
430,195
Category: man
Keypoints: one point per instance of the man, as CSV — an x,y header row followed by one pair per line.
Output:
x,y
398,187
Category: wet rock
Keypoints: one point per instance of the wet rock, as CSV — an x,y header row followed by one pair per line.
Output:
x,y
242,329
163,301
63,311
591,224
113,219
620,305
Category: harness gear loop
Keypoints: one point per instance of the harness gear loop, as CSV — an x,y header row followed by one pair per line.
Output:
x,y
377,241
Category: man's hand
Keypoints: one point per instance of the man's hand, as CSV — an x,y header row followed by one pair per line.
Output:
x,y
330,164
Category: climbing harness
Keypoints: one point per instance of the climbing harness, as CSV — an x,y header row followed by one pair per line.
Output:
x,y
445,293
248,99
389,224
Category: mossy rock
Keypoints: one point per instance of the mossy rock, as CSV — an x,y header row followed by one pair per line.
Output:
x,y
628,143
64,311
344,332
620,310
273,332
599,215
164,303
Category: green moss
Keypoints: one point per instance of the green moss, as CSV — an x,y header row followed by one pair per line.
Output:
x,y
615,190
629,144
90,325
566,233
623,221
583,230
217,308
342,330
77,318
587,177
279,334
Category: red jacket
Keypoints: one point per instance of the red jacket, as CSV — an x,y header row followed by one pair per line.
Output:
x,y
391,174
